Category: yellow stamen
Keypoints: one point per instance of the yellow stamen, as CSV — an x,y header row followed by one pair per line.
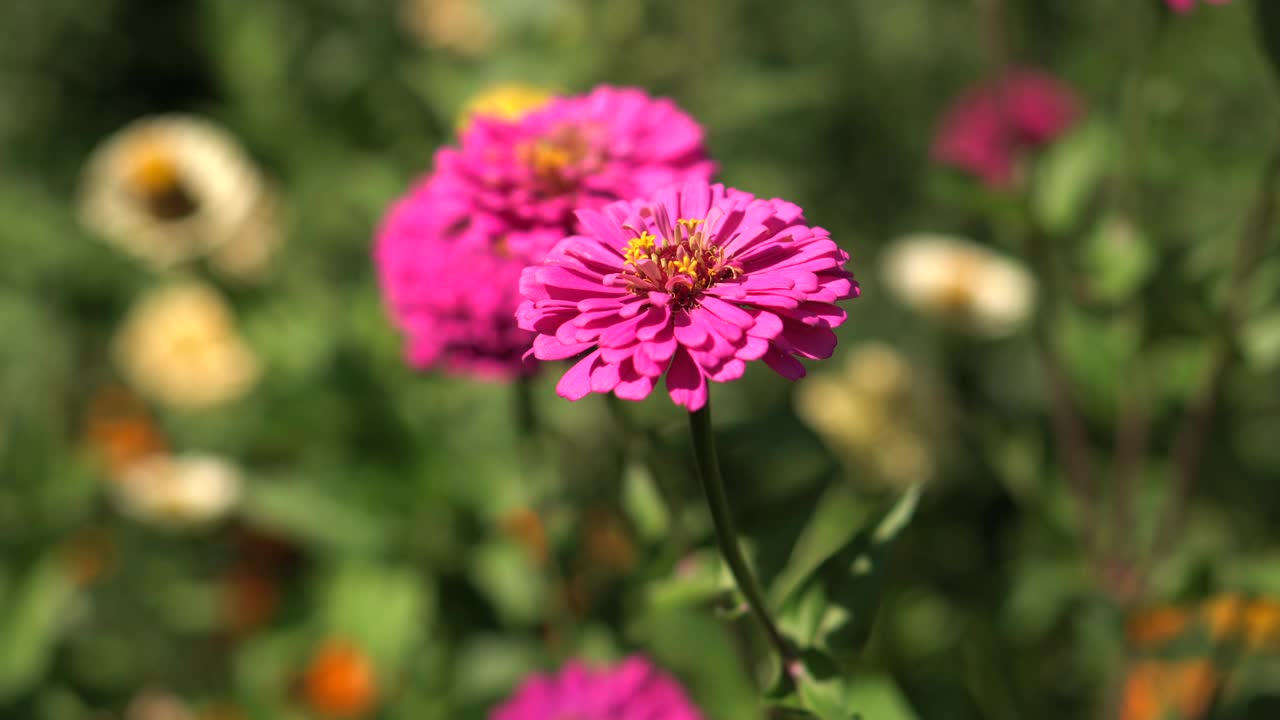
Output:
x,y
152,169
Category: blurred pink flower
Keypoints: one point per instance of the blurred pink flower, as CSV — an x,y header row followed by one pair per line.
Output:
x,y
1186,6
989,125
454,301
694,283
449,254
632,690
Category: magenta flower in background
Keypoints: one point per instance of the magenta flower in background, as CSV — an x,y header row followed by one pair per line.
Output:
x,y
694,283
576,152
989,126
449,254
1186,6
632,690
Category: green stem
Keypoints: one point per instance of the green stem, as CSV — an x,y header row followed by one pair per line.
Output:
x,y
704,451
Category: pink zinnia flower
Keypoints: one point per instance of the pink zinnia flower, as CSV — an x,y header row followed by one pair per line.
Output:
x,y
986,129
1186,6
694,283
575,152
449,254
633,690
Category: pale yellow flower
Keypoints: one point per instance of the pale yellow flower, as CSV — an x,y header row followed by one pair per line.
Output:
x,y
467,27
959,280
179,491
508,101
157,705
173,188
180,346
870,414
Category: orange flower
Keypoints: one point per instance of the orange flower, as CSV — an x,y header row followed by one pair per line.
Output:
x,y
1157,625
121,430
1261,624
340,682
1156,689
526,528
1224,616
608,544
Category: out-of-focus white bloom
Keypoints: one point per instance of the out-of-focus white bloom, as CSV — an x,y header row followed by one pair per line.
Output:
x,y
467,27
982,291
180,347
157,705
507,101
871,415
179,491
172,188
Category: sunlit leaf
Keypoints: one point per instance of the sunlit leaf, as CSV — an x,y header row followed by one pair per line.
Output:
x,y
30,624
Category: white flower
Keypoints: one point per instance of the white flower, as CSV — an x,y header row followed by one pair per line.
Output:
x,y
984,292
179,346
871,415
173,188
179,491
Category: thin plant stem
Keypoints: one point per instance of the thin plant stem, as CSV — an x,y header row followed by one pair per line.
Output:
x,y
1069,434
1133,424
708,463
1189,443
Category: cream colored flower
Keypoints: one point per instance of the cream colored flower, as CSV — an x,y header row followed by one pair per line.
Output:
x,y
173,188
508,101
467,27
157,705
984,292
179,491
179,345
871,415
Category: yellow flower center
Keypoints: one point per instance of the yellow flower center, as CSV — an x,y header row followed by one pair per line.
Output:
x,y
505,102
558,160
683,265
153,175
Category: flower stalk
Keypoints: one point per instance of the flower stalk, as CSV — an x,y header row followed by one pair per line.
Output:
x,y
708,464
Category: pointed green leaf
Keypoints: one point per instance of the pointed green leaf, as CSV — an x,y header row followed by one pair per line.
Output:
x,y
31,625
835,608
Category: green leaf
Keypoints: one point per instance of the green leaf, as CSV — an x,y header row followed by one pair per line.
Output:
x,y
386,609
644,503
1261,341
1096,349
835,608
508,578
1118,259
31,624
877,697
306,512
1068,175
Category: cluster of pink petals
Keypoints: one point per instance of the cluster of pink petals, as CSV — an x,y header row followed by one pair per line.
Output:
x,y
611,144
1186,6
990,125
449,253
632,690
771,297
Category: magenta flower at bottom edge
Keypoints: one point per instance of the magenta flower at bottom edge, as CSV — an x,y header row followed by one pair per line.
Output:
x,y
694,283
1186,6
632,690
